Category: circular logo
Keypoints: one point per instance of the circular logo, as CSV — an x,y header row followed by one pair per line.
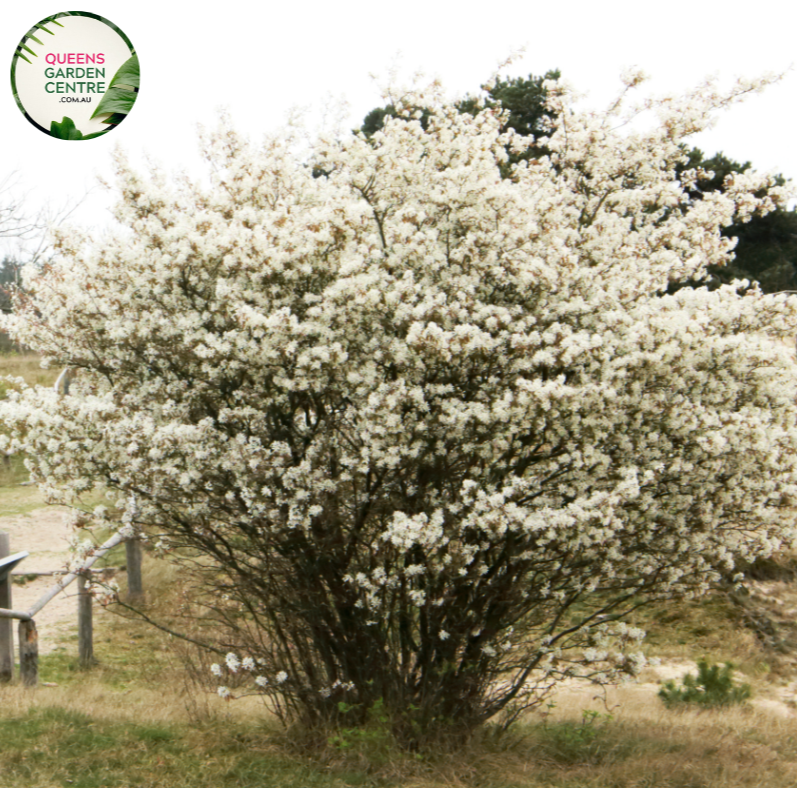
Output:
x,y
75,75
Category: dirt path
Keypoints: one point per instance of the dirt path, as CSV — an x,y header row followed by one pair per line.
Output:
x,y
45,534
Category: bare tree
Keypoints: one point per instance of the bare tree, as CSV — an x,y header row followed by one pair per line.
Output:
x,y
24,234
24,238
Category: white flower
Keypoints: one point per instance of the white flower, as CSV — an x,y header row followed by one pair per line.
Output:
x,y
248,663
216,670
637,662
224,692
232,662
261,681
281,677
595,654
443,634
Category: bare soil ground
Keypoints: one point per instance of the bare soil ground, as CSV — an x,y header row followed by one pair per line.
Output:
x,y
779,701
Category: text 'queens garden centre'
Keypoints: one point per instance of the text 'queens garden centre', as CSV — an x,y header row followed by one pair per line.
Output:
x,y
84,77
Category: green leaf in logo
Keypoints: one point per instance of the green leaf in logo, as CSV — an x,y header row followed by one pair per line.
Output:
x,y
128,74
121,93
114,119
38,26
65,129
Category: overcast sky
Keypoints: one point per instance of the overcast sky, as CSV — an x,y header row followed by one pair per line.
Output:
x,y
260,60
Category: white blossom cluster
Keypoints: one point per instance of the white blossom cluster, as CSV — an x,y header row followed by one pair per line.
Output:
x,y
248,664
464,393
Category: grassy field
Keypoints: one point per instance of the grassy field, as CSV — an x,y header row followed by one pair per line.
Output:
x,y
58,746
142,717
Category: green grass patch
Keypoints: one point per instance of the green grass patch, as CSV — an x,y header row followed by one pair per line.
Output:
x,y
57,747
572,742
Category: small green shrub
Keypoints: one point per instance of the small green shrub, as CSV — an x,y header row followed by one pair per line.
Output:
x,y
712,688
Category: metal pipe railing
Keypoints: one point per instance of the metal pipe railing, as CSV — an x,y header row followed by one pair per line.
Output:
x,y
12,615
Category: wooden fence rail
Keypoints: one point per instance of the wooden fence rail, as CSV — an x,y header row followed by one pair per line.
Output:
x,y
28,633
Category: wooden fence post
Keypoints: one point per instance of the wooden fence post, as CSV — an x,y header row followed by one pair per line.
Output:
x,y
6,627
135,588
85,635
28,653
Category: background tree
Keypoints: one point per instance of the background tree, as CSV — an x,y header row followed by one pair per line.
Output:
x,y
24,234
9,278
529,115
766,251
425,435
524,99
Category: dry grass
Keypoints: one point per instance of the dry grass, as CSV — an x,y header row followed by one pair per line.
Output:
x,y
644,745
16,499
170,730
28,366
710,628
142,697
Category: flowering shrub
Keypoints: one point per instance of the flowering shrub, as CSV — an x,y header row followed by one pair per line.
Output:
x,y
433,432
